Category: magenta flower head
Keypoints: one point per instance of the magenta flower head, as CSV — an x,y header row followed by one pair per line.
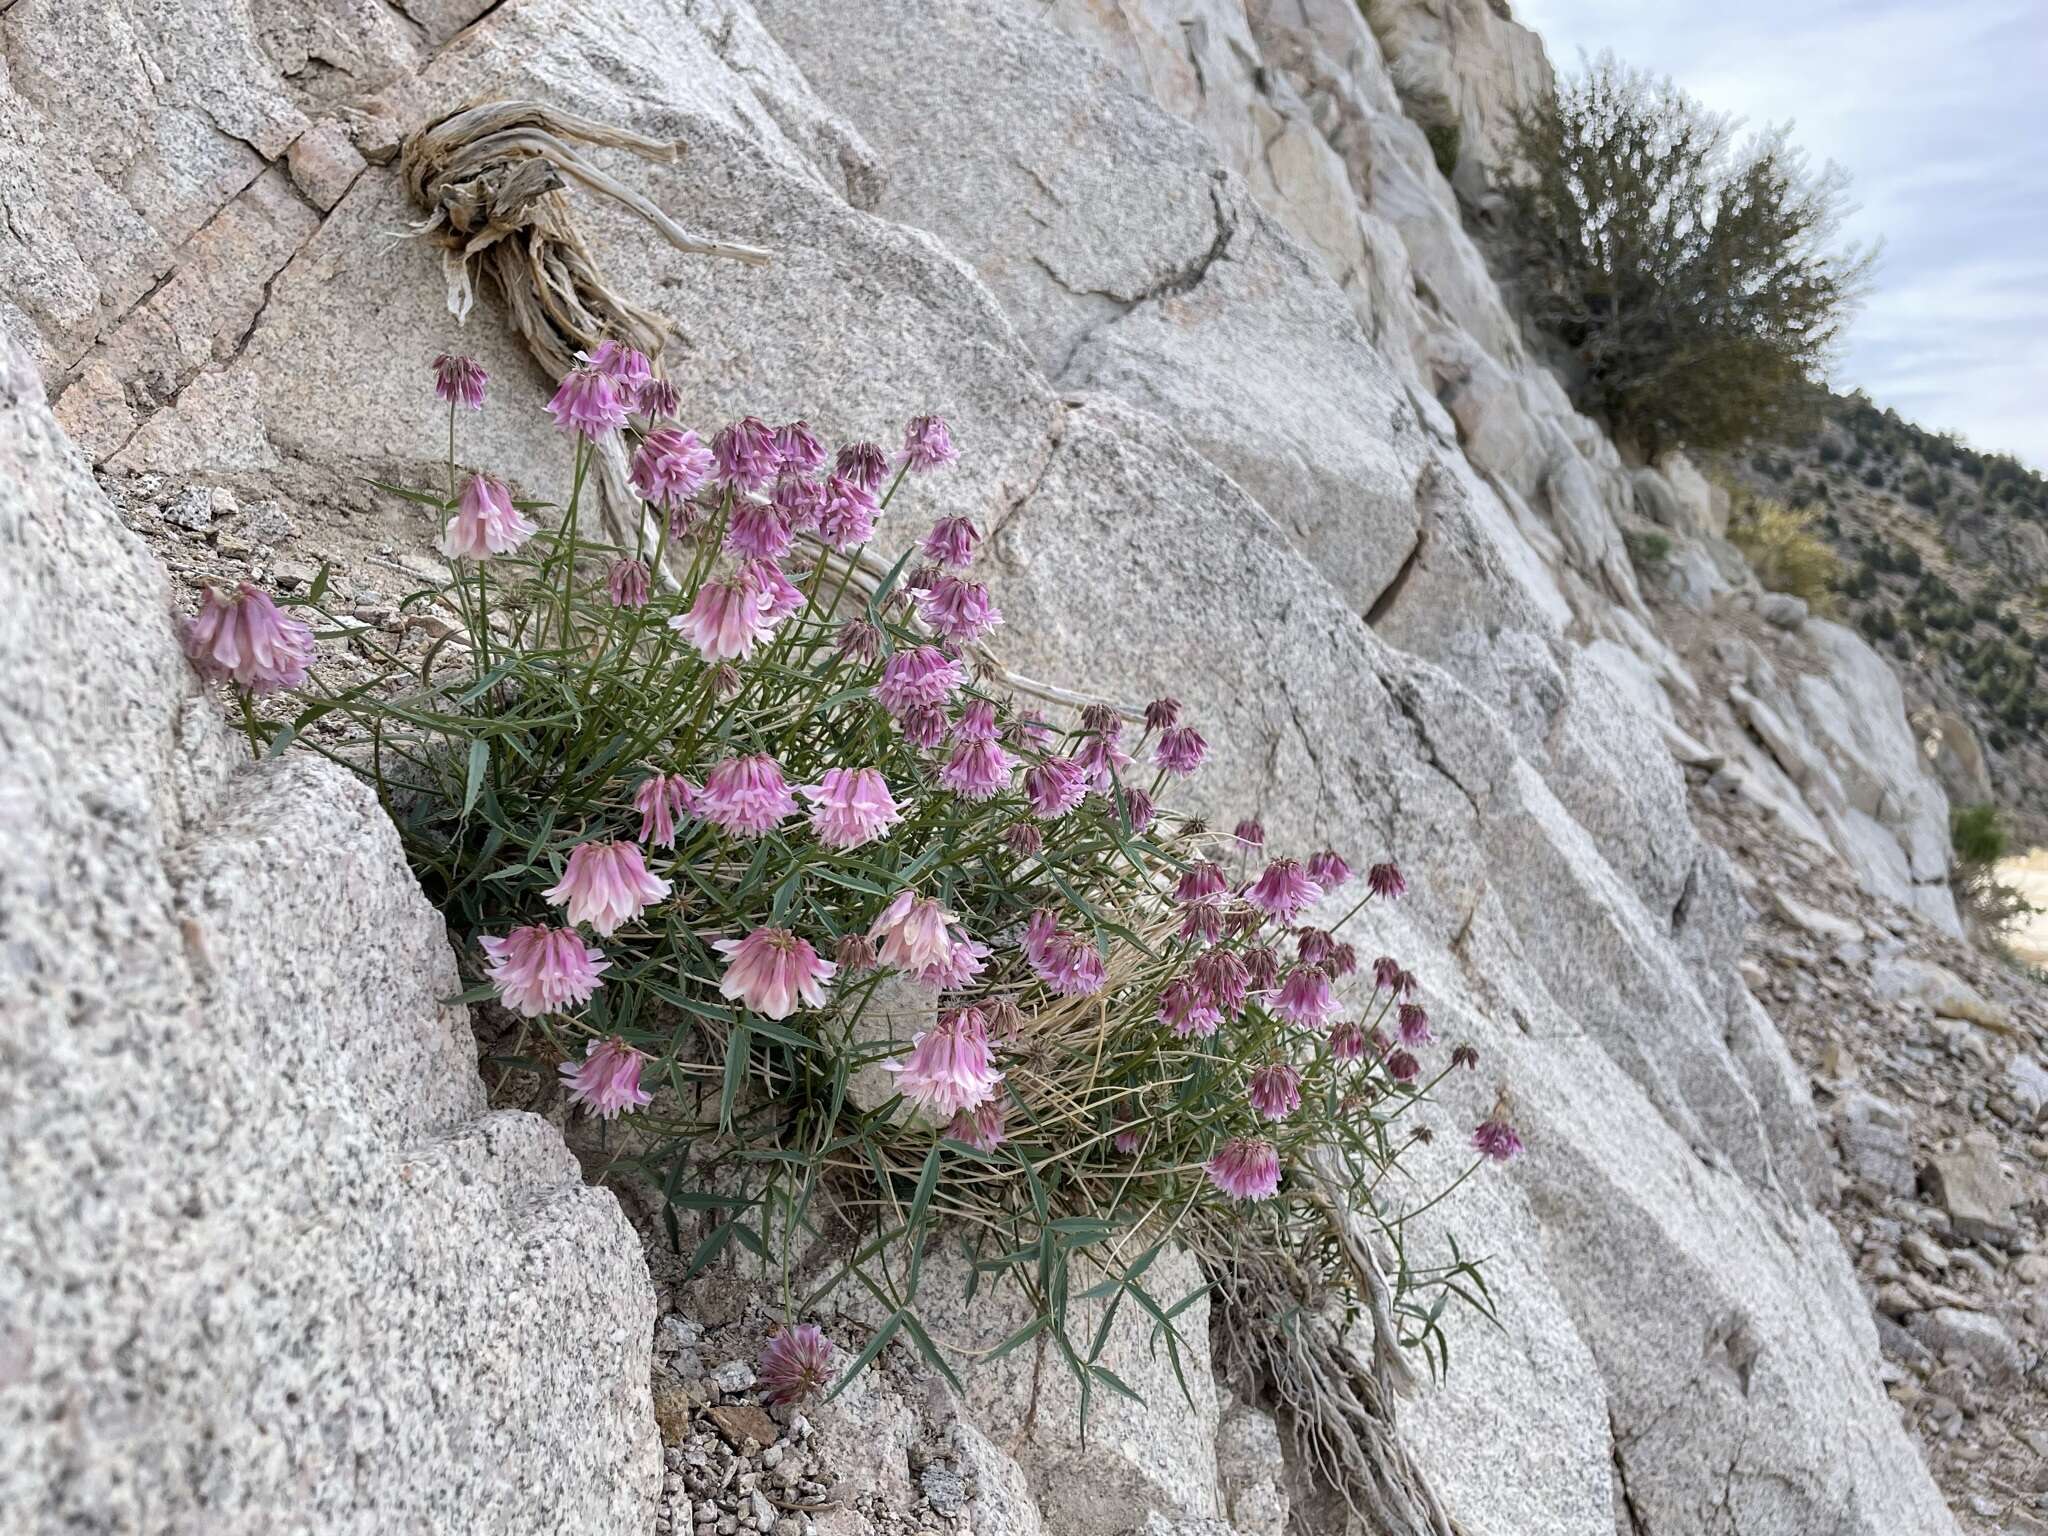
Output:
x,y
247,639
846,515
951,542
1402,1066
1224,979
1187,1009
460,380
1388,974
959,610
658,400
923,727
588,403
967,961
1284,891
1328,869
1314,945
858,641
1304,998
727,619
606,884
797,447
1101,759
1162,714
799,499
1275,1091
950,1067
628,584
1251,834
983,1127
659,800
1136,807
746,455
627,368
771,970
1465,1056
977,770
746,796
759,531
1128,1140
1201,882
977,721
1069,964
922,677
850,806
1496,1138
1201,922
1245,1168
1385,882
1415,1028
778,596
607,1079
1261,968
485,522
1054,785
540,970
913,932
796,1364
928,444
670,466
1347,1040
1023,839
1343,960
863,463
1180,750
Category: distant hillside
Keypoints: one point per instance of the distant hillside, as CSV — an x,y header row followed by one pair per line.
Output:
x,y
1945,554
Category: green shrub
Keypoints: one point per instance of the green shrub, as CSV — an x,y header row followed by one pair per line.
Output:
x,y
1648,551
1445,142
1781,547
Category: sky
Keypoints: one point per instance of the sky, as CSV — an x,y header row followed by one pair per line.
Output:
x,y
1939,112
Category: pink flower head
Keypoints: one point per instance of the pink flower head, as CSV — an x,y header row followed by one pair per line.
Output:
x,y
1465,1056
1347,1041
977,770
959,968
627,367
657,400
606,884
1224,979
1180,750
1101,760
850,806
1261,968
758,530
983,1127
1496,1137
1415,1028
1136,806
588,404
1162,714
771,970
959,610
778,596
1284,891
1385,882
1305,998
670,466
745,454
607,1079
928,444
1040,929
485,522
1402,1066
924,727
1343,960
846,516
727,620
1069,964
923,676
1251,834
950,1067
1023,839
856,954
859,641
540,970
1246,1168
1186,1008
862,463
1388,975
1128,1140
1201,922
1201,882
1275,1091
1313,945
746,796
627,584
796,1364
1054,785
460,380
659,799
977,722
1328,869
797,447
951,542
247,638
799,499
913,932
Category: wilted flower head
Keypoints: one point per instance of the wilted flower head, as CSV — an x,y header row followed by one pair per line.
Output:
x,y
1465,1056
796,1364
670,466
959,610
607,1079
1245,1168
1347,1040
1201,922
1313,945
928,444
1069,964
460,380
863,463
540,970
1251,834
1201,882
1328,869
745,454
847,513
1385,882
1275,1091
1343,960
659,800
1136,807
977,770
1304,998
1186,1008
922,676
1162,714
1180,750
771,970
627,368
1415,1028
1388,975
606,883
245,638
923,727
913,932
856,954
983,1127
797,446
850,806
1028,727
1024,840
627,584
951,541
1261,968
858,640
950,1067
1496,1137
1284,891
799,499
1224,978
588,404
746,796
1054,785
657,400
1402,1067
1128,1140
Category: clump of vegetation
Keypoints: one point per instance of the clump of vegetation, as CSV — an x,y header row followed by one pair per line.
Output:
x,y
1695,282
1784,551
1648,551
1989,904
1446,141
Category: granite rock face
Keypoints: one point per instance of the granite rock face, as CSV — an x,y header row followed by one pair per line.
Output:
x,y
1247,421
267,1260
